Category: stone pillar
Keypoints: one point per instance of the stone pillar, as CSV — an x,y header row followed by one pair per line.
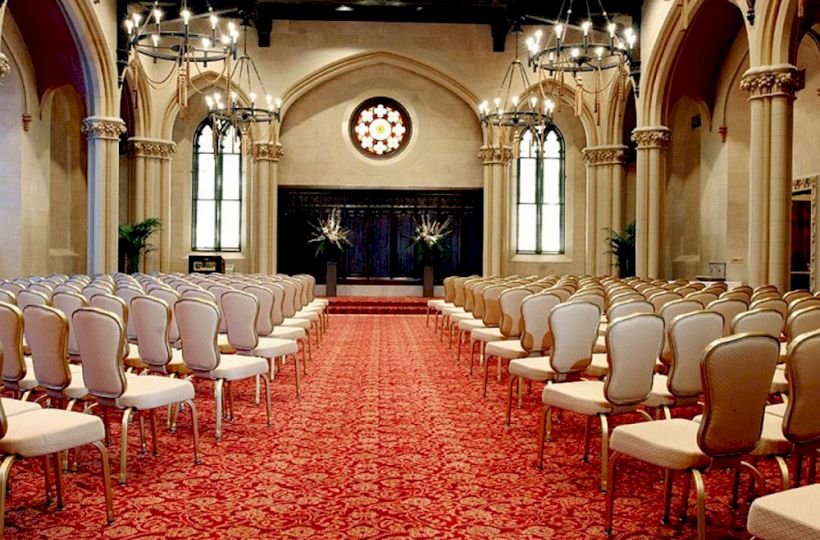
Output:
x,y
771,90
151,192
266,190
651,164
496,160
604,203
103,191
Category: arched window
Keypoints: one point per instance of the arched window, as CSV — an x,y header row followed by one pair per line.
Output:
x,y
217,189
541,192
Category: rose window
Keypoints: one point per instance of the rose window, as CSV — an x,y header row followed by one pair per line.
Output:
x,y
380,128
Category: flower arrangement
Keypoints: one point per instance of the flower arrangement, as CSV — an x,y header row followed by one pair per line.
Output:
x,y
329,235
428,237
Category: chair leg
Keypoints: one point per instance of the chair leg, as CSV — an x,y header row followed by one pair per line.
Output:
x,y
230,400
58,478
143,441
267,397
604,451
520,391
500,362
610,496
218,398
735,489
668,481
5,469
126,415
797,465
296,371
258,388
105,413
684,502
458,346
47,477
106,473
701,494
304,358
427,318
546,414
472,353
486,376
587,437
195,422
153,418
508,412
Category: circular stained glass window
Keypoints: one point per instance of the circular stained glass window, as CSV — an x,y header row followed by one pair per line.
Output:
x,y
380,127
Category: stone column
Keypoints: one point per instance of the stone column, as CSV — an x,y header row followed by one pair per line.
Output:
x,y
103,191
496,160
266,189
651,164
605,175
151,189
771,90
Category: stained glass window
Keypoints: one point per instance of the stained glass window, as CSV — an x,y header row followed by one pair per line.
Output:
x,y
217,204
541,192
380,127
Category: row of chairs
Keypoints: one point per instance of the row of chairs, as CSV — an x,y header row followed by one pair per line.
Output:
x,y
615,351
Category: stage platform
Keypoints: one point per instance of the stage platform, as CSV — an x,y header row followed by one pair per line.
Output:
x,y
378,305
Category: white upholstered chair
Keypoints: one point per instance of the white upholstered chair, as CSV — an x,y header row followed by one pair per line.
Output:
x,y
729,308
18,373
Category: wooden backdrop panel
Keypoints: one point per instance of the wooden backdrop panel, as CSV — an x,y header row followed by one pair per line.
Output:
x,y
381,224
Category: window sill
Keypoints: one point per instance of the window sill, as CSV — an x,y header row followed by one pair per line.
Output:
x,y
534,258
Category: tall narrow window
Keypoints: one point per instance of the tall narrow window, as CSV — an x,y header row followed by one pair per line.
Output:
x,y
217,212
541,192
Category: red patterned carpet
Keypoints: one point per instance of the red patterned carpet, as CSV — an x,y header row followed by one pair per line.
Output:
x,y
390,439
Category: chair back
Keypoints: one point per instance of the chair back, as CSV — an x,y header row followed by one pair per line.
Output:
x,y
729,308
47,331
803,303
68,303
766,295
128,294
510,302
449,289
241,310
574,328
218,290
8,297
660,299
796,294
633,344
112,304
590,298
689,335
479,307
702,297
11,337
42,287
277,314
801,423
759,321
492,305
12,287
152,320
170,297
630,307
198,322
669,312
802,321
101,337
737,374
264,298
561,292
287,302
734,294
31,298
535,311
202,294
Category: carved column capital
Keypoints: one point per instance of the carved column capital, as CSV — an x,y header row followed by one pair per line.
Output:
x,y
490,155
102,127
652,137
5,65
766,81
151,148
267,151
604,155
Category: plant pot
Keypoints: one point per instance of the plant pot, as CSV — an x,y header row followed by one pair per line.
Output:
x,y
427,284
331,277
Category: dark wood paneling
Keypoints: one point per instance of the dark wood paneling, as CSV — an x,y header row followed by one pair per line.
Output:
x,y
381,224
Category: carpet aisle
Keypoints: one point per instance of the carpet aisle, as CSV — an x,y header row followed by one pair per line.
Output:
x,y
391,439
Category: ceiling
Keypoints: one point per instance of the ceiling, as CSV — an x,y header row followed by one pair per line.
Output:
x,y
498,15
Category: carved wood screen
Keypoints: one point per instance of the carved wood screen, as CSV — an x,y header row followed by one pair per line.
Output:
x,y
381,225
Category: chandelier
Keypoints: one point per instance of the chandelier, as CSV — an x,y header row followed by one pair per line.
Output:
x,y
175,42
586,50
507,111
231,110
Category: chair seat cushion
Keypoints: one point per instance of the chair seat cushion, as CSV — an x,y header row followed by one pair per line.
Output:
x,y
46,431
786,515
661,396
450,310
29,382
600,345
307,315
666,443
487,334
583,397
534,368
470,324
462,316
435,303
233,367
269,347
297,323
152,391
507,349
77,389
15,406
598,367
778,409
285,332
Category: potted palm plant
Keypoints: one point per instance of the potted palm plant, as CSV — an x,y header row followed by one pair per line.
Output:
x,y
134,243
622,248
428,244
331,240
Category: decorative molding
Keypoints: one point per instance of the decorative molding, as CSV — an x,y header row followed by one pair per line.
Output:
x,y
809,183
490,155
151,148
5,65
652,137
101,127
767,81
267,151
604,155
806,183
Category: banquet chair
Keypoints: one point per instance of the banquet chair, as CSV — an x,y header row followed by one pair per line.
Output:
x,y
199,325
18,371
660,299
170,297
437,305
760,321
568,339
265,325
509,328
735,373
803,303
669,313
491,320
128,293
31,298
466,326
796,294
153,322
702,297
786,515
101,337
117,306
633,345
47,434
42,288
68,303
599,366
688,336
729,308
8,297
735,294
289,311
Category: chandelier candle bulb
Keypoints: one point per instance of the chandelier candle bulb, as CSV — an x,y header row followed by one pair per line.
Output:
x,y
186,17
